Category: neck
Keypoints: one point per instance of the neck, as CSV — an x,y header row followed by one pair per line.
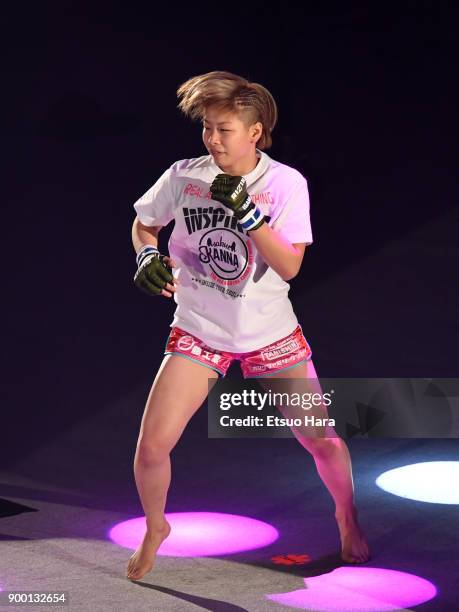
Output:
x,y
243,167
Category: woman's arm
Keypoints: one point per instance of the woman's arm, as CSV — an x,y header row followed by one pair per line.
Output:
x,y
283,257
143,234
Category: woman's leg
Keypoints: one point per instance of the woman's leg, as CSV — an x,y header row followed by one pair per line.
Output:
x,y
333,463
179,389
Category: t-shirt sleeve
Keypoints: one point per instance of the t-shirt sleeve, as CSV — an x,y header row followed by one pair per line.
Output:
x,y
294,222
156,206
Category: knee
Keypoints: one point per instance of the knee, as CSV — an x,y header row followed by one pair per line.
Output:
x,y
151,452
321,448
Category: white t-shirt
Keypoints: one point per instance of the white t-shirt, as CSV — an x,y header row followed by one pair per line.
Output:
x,y
228,296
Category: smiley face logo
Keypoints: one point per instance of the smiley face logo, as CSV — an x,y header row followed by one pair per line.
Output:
x,y
225,252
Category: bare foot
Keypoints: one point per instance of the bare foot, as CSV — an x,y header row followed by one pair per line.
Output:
x,y
144,557
354,546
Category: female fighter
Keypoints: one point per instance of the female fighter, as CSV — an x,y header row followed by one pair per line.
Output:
x,y
241,229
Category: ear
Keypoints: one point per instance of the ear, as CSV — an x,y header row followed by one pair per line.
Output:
x,y
256,131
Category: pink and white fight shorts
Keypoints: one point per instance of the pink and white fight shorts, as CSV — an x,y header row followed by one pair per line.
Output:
x,y
280,355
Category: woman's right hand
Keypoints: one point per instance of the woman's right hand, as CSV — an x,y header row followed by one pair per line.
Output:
x,y
154,274
171,287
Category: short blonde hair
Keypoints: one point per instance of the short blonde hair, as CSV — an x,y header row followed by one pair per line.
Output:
x,y
230,92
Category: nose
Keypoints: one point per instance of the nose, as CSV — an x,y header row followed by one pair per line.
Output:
x,y
212,137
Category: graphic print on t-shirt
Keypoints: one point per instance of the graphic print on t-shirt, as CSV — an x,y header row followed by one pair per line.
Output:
x,y
226,259
223,246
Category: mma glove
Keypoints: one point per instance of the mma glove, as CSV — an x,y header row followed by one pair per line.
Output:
x,y
153,273
231,191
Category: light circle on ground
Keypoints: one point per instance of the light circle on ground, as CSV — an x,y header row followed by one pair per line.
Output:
x,y
360,589
200,534
435,482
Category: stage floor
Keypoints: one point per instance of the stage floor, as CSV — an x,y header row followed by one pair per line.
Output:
x,y
60,501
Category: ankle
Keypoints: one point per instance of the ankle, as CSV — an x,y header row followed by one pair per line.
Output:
x,y
155,525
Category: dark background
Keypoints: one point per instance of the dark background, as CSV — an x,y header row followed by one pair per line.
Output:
x,y
367,97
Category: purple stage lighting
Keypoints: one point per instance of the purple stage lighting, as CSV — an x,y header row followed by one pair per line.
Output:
x,y
360,589
200,534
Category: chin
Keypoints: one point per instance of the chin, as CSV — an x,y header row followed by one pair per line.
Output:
x,y
220,163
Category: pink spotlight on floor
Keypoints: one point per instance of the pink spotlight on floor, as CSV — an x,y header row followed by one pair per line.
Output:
x,y
200,534
360,589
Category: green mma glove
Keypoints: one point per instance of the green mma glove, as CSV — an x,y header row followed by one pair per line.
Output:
x,y
153,273
231,191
